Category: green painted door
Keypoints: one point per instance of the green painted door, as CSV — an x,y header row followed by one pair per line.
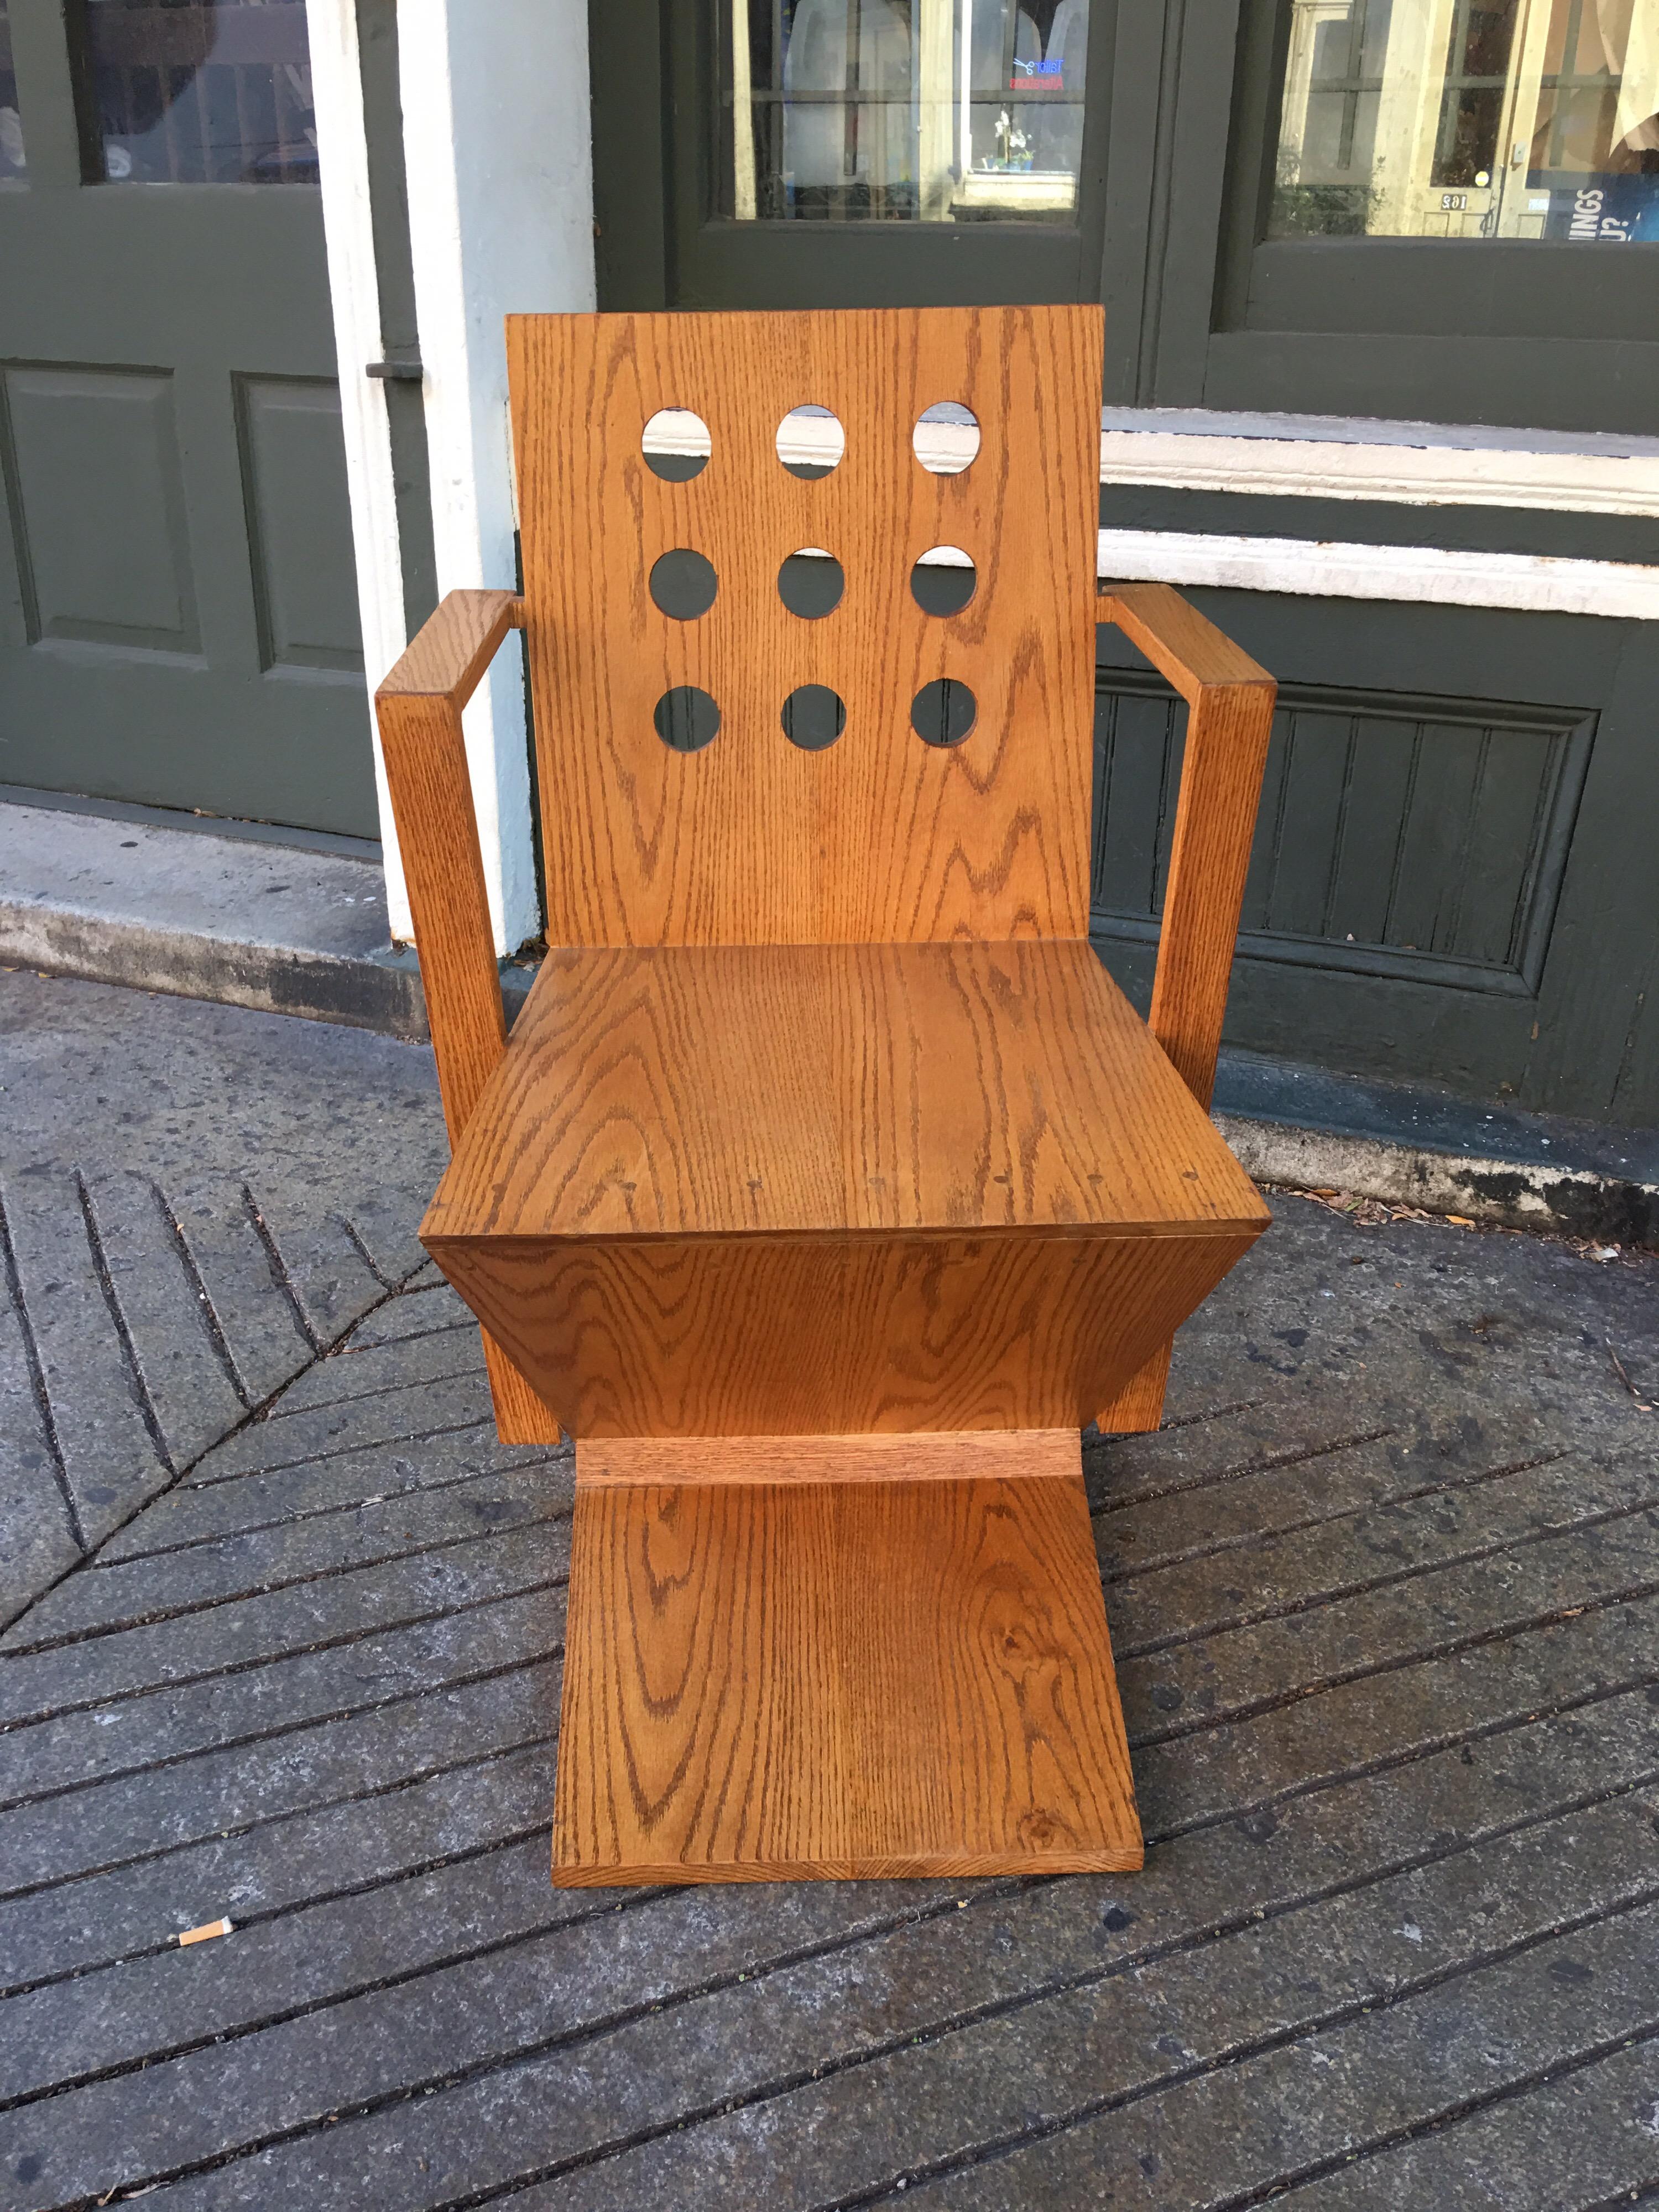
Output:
x,y
178,602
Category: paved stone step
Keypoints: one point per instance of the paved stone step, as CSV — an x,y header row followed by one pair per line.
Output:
x,y
1422,1539
103,1600
1398,2067
497,1688
767,2033
356,1373
325,1269
279,1866
75,2031
1233,1672
407,1417
205,1513
301,1655
1182,1782
244,1636
1270,1431
422,1307
37,1538
110,1453
254,1313
185,1372
1307,1486
148,2006
1587,2139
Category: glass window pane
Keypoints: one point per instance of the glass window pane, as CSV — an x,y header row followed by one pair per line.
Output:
x,y
933,111
12,164
1470,118
200,92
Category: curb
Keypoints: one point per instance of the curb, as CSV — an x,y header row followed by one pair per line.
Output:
x,y
379,990
285,929
1562,1201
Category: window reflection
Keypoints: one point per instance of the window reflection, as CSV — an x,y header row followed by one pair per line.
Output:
x,y
940,110
12,162
1470,118
200,92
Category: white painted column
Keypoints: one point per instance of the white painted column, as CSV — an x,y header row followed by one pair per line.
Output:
x,y
498,149
353,291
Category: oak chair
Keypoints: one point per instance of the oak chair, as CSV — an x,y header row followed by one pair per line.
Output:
x,y
827,1185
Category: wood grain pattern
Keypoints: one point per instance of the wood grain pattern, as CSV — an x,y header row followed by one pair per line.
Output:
x,y
1184,645
448,654
419,711
1138,1405
521,1416
1230,719
732,1336
879,838
827,1184
835,1090
844,1681
924,1455
418,708
1229,700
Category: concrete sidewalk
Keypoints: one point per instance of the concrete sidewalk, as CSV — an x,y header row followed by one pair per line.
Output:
x,y
195,1202
286,1649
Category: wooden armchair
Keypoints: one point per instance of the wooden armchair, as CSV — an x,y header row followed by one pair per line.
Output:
x,y
827,1185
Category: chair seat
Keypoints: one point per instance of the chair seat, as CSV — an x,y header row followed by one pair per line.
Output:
x,y
739,1191
804,1090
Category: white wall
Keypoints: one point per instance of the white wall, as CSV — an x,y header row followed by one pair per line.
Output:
x,y
497,146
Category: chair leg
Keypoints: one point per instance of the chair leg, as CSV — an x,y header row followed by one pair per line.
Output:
x,y
837,1657
521,1418
1138,1405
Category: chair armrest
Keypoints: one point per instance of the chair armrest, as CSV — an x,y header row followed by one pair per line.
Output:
x,y
418,708
1230,702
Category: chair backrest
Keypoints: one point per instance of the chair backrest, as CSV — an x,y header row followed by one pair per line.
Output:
x,y
753,837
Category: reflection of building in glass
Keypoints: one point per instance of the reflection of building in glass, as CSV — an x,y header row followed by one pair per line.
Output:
x,y
215,92
1470,118
12,161
941,110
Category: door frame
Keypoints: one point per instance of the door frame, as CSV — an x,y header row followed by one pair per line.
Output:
x,y
498,170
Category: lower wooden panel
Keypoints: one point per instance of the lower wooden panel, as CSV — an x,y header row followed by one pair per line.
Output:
x,y
1139,1404
521,1416
769,1336
838,1681
919,1455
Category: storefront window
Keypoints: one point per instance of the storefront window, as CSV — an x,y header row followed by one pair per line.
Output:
x,y
1470,118
198,92
933,111
12,163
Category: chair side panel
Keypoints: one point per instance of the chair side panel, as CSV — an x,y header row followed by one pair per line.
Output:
x,y
877,837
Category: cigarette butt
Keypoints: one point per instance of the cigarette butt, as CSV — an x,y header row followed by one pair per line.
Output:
x,y
1460,1221
208,1930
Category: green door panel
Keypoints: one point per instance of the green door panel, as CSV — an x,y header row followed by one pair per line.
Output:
x,y
1452,878
178,597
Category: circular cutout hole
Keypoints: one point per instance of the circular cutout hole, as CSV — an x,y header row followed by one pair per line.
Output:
x,y
945,438
684,584
813,717
943,581
811,583
676,445
686,719
943,712
810,441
